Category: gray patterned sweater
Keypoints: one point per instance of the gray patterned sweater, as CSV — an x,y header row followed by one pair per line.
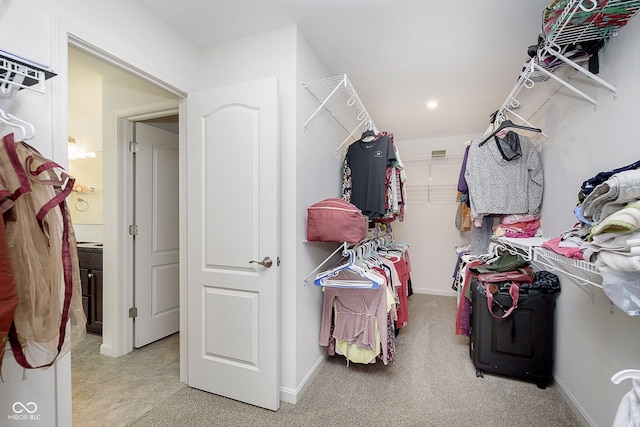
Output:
x,y
497,186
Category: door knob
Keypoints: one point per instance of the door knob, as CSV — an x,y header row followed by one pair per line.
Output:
x,y
266,262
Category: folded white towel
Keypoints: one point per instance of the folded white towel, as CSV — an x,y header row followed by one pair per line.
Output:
x,y
612,261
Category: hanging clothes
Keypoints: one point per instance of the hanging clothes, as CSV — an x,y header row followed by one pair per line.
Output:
x,y
628,413
500,186
8,295
360,321
361,317
379,190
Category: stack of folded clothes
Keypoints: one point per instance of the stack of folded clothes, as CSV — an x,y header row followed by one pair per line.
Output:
x,y
610,216
518,225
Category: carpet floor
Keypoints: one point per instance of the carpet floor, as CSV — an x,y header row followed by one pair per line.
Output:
x,y
432,383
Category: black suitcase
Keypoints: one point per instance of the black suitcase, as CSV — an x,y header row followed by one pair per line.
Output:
x,y
518,346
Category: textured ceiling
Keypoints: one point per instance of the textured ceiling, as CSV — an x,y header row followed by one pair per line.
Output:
x,y
397,53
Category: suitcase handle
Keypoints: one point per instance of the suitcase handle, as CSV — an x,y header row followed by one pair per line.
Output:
x,y
514,291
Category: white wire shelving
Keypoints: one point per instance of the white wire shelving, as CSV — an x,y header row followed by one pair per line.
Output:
x,y
578,22
337,96
532,249
21,73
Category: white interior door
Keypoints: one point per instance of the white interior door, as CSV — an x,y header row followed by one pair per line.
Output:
x,y
232,181
157,264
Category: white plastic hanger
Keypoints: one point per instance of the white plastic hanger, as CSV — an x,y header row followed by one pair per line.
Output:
x,y
27,131
625,374
8,90
349,275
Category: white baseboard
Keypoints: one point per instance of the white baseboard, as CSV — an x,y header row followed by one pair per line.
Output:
x,y
107,350
439,292
573,404
292,395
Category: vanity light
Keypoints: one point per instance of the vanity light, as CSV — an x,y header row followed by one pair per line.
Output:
x,y
73,152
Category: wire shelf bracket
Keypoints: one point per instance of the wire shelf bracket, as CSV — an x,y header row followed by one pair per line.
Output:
x,y
338,97
580,21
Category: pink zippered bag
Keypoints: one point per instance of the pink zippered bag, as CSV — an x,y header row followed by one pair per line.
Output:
x,y
335,220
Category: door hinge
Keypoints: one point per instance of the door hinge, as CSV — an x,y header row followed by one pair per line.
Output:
x,y
133,230
133,147
133,312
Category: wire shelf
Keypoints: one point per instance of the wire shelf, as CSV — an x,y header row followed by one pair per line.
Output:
x,y
566,25
588,20
22,73
552,260
337,96
579,264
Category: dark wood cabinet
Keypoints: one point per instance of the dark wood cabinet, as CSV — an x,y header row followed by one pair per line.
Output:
x,y
90,260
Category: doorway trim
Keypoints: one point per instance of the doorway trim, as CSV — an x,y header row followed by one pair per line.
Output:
x,y
121,340
63,34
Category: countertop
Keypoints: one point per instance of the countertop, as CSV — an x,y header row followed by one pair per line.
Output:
x,y
93,247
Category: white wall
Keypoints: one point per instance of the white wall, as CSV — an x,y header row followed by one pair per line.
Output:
x,y
594,340
318,176
429,226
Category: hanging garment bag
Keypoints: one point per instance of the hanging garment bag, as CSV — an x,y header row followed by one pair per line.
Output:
x,y
43,252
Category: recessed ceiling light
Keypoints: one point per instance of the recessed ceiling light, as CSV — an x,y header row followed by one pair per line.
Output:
x,y
432,104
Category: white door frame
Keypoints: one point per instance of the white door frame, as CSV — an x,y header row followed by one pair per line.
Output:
x,y
121,334
65,33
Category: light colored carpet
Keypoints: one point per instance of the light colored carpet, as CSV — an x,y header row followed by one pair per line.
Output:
x,y
108,391
433,383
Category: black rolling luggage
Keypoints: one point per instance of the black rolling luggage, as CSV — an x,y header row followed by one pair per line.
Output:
x,y
520,345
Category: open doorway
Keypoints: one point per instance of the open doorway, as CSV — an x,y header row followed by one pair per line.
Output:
x,y
106,104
